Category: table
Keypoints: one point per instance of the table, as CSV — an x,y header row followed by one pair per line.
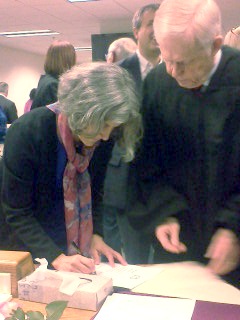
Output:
x,y
184,279
68,314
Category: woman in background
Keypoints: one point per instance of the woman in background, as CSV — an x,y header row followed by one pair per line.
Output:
x,y
46,192
61,56
28,104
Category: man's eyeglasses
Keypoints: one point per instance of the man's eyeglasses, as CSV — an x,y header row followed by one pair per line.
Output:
x,y
233,30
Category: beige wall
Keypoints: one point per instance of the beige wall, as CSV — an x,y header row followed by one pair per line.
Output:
x,y
21,70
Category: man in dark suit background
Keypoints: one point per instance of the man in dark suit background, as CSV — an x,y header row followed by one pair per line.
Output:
x,y
8,106
147,54
119,182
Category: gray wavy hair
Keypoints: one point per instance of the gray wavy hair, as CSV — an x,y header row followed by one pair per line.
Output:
x,y
93,94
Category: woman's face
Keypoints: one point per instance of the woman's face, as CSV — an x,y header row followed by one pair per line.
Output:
x,y
103,135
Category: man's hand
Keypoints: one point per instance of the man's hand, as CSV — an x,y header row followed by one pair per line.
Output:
x,y
168,236
223,252
99,247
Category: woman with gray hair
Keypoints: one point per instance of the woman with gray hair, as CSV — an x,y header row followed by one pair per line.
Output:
x,y
46,192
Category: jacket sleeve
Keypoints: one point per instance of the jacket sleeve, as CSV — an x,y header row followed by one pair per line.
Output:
x,y
156,199
12,113
20,168
45,94
228,216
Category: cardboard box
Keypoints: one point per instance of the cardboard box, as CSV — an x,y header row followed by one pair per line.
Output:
x,y
89,294
19,264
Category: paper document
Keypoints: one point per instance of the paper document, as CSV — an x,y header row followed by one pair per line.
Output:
x,y
127,306
128,276
190,280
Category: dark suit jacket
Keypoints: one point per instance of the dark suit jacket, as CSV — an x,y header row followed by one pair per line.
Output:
x,y
132,65
117,194
9,109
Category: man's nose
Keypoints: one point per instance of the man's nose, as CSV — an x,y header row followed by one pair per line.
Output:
x,y
175,69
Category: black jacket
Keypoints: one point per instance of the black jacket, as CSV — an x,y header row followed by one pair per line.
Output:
x,y
192,145
9,109
132,65
46,91
29,183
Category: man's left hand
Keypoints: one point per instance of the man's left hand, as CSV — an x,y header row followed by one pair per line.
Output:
x,y
223,252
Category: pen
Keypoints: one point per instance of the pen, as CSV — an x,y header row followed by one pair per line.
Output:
x,y
79,252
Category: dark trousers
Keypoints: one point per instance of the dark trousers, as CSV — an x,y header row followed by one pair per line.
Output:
x,y
120,235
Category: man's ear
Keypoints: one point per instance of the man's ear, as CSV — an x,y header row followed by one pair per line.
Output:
x,y
135,32
111,57
217,44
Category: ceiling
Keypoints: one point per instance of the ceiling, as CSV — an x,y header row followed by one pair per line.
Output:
x,y
77,21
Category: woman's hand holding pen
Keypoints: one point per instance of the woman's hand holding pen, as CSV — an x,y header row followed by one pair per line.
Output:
x,y
99,247
75,263
79,263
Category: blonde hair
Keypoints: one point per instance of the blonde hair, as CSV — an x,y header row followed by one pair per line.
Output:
x,y
232,38
197,20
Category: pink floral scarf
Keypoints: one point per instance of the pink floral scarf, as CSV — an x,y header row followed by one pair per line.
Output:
x,y
76,188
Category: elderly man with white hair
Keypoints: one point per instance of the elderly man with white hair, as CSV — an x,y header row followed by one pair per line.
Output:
x,y
191,145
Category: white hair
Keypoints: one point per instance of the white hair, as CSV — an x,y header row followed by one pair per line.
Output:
x,y
122,48
232,38
196,20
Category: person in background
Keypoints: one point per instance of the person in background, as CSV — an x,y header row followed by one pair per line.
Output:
x,y
118,191
191,143
8,106
46,188
3,129
61,56
232,38
28,104
147,55
120,49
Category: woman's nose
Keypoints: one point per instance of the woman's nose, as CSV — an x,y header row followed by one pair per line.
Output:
x,y
105,134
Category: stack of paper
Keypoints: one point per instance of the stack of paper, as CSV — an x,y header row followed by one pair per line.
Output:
x,y
129,306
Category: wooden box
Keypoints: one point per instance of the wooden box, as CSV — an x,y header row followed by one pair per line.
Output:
x,y
19,264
